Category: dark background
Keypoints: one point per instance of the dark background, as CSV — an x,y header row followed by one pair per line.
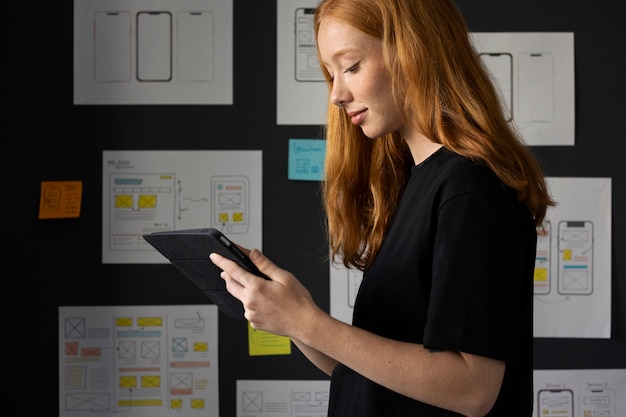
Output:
x,y
51,263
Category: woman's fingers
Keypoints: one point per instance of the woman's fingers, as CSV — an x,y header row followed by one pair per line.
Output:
x,y
229,268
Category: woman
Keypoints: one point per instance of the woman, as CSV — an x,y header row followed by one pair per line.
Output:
x,y
430,192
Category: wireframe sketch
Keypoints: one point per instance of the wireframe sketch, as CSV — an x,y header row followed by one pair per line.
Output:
x,y
575,257
307,66
542,259
230,195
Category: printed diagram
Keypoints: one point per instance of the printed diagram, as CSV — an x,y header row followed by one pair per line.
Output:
x,y
575,257
112,46
140,204
525,83
555,402
144,203
501,67
185,203
136,361
542,259
572,275
300,402
535,77
230,196
561,402
309,402
154,46
153,52
158,191
164,43
579,392
573,247
307,67
195,41
598,402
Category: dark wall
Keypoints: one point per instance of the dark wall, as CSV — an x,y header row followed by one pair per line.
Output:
x,y
58,262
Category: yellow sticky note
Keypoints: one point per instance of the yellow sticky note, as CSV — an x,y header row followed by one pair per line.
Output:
x,y
60,199
264,343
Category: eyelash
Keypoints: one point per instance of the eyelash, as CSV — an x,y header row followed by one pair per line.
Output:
x,y
351,69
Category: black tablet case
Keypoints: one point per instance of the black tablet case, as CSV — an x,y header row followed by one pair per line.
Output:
x,y
188,250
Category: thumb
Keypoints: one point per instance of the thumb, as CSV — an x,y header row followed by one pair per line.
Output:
x,y
264,264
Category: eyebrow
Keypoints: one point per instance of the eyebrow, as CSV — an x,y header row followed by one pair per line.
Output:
x,y
339,53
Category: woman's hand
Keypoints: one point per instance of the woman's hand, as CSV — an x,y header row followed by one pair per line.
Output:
x,y
279,306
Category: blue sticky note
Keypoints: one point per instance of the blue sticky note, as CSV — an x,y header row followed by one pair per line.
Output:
x,y
306,159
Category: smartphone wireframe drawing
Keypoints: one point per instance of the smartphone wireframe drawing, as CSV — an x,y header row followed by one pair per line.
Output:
x,y
500,65
112,42
536,87
575,258
307,67
597,403
154,46
542,258
189,249
195,46
229,197
555,403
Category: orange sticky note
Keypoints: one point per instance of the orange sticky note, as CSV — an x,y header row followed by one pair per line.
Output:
x,y
60,199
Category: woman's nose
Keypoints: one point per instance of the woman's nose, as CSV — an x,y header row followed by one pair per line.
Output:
x,y
337,94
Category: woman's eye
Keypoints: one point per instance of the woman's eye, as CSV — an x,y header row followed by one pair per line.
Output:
x,y
352,68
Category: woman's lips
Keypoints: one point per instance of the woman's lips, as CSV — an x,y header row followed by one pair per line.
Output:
x,y
357,117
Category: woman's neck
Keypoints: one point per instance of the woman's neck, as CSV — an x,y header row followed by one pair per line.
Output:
x,y
420,146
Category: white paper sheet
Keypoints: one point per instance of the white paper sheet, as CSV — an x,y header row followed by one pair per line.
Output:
x,y
150,191
138,361
580,393
153,52
535,74
270,398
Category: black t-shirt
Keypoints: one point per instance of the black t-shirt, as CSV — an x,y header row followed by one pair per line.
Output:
x,y
455,272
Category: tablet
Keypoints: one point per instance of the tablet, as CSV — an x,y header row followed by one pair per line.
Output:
x,y
189,249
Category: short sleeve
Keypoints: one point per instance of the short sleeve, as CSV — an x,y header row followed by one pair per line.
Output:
x,y
480,265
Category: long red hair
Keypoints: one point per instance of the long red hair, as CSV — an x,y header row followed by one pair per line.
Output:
x,y
444,91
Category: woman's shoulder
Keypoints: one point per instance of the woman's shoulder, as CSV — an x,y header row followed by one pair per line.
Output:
x,y
459,173
448,162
